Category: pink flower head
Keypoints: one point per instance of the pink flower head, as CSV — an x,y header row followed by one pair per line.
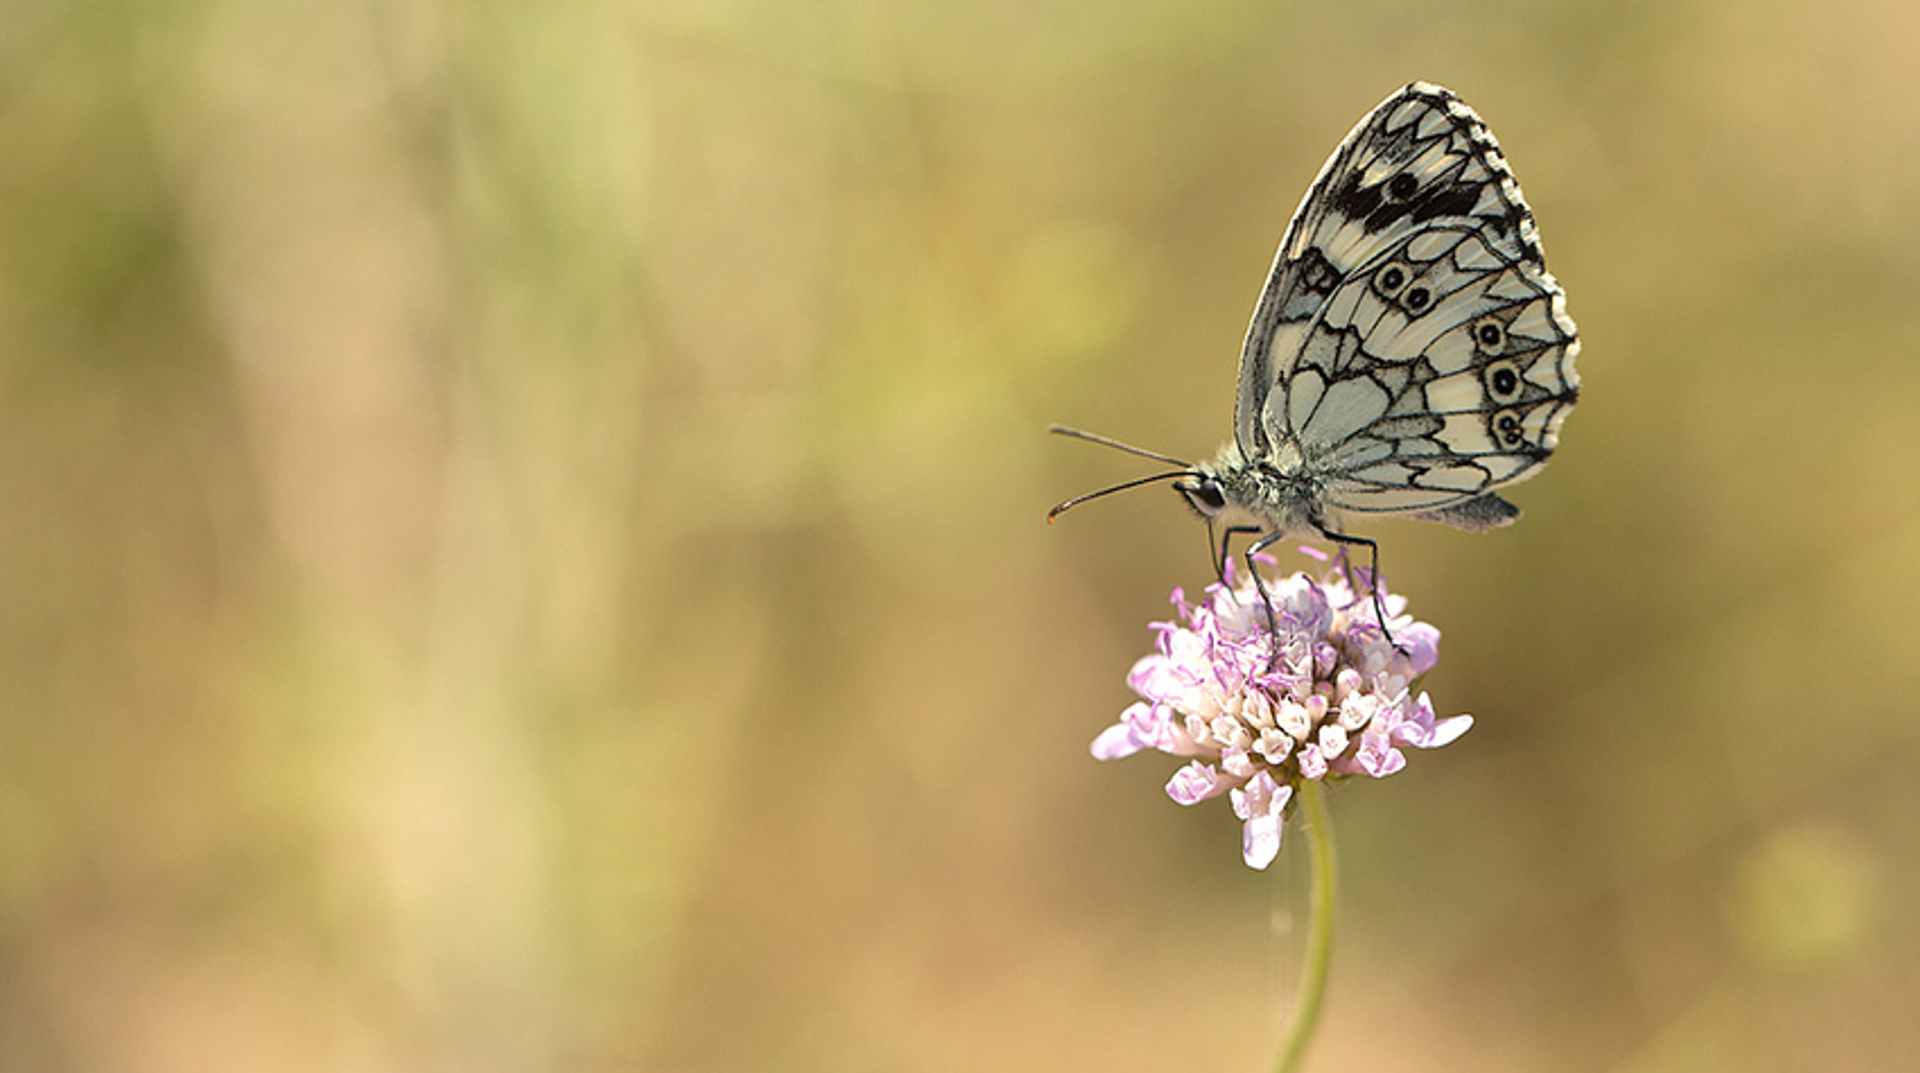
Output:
x,y
1255,711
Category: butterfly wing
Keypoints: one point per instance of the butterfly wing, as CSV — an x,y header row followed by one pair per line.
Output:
x,y
1410,345
1439,371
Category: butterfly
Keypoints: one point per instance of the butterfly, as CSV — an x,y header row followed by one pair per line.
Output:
x,y
1409,354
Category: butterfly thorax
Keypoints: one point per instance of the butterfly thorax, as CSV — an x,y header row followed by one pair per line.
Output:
x,y
1280,494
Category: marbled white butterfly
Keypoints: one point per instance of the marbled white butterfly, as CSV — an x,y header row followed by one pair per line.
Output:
x,y
1410,352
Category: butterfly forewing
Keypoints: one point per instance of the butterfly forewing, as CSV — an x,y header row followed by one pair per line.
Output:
x,y
1410,345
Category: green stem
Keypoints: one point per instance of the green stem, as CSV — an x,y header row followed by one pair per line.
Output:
x,y
1313,977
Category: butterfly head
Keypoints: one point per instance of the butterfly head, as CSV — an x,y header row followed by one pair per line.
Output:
x,y
1204,493
1227,489
1270,494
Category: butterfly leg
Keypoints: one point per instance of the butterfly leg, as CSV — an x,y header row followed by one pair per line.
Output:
x,y
1373,570
1226,538
1252,550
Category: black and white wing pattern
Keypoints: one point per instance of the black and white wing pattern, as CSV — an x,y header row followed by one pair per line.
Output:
x,y
1410,351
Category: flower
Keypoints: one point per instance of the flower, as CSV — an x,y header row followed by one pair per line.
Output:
x,y
1255,710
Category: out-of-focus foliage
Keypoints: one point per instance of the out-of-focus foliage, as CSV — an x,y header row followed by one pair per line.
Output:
x,y
522,540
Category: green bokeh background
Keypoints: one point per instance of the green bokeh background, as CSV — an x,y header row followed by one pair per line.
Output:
x,y
522,543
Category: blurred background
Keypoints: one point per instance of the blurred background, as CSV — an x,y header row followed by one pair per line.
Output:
x,y
522,542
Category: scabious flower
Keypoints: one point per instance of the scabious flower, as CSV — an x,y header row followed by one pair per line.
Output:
x,y
1256,711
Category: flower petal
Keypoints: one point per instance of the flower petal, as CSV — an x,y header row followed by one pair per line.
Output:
x,y
1261,796
1420,643
1115,742
1333,740
1377,756
1195,783
1260,841
1446,731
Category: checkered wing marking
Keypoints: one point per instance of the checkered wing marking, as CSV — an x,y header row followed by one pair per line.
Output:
x,y
1420,162
1438,372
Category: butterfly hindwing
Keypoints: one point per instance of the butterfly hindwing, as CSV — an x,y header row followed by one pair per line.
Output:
x,y
1410,344
1464,362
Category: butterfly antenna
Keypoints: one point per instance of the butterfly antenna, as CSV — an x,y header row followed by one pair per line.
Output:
x,y
1078,434
1121,487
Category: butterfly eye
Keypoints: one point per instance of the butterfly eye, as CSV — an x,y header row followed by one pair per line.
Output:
x,y
1203,495
1416,299
1503,381
1490,335
1390,279
1507,429
1401,187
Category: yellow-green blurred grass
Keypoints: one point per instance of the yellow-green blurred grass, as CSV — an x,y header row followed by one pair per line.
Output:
x,y
524,541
